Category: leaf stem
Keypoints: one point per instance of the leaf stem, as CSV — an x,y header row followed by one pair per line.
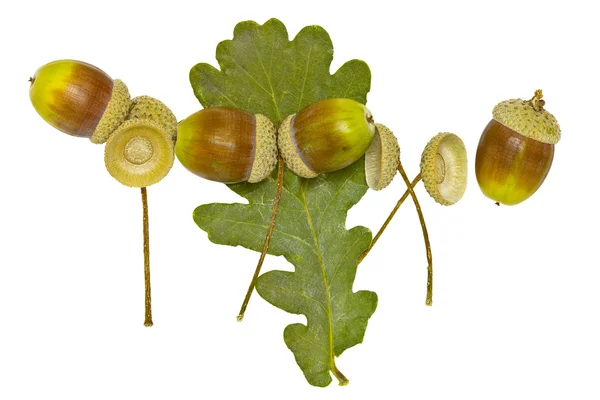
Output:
x,y
429,297
240,316
389,218
342,380
148,299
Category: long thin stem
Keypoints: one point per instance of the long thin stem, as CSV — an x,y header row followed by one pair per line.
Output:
x,y
148,302
389,218
240,316
429,298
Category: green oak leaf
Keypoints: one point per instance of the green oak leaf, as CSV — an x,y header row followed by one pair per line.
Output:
x,y
263,72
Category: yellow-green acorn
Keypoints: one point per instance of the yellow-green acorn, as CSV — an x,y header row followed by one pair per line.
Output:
x,y
325,136
444,168
516,149
79,99
382,158
140,151
227,145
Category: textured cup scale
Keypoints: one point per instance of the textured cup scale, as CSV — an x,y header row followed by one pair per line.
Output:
x,y
382,158
510,167
332,134
218,144
71,95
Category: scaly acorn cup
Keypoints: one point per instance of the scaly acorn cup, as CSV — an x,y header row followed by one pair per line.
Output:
x,y
79,99
325,136
444,168
230,145
516,149
227,145
382,158
140,152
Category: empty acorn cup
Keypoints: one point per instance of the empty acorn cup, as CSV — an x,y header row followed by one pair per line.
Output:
x,y
444,174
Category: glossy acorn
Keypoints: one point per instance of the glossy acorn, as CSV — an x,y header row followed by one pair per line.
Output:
x,y
516,150
227,145
79,99
325,136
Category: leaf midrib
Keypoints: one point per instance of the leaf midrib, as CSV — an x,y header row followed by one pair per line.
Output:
x,y
322,265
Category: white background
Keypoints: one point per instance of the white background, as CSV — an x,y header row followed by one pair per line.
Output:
x,y
516,298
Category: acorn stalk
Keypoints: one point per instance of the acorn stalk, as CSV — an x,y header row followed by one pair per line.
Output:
x,y
444,172
140,153
230,145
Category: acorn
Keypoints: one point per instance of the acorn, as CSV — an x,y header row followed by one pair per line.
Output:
x,y
227,145
444,168
516,150
325,136
140,152
79,99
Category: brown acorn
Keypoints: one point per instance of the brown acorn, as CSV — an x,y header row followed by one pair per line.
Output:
x,y
227,145
516,150
79,99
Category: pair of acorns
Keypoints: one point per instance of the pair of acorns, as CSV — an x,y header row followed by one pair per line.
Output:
x,y
82,100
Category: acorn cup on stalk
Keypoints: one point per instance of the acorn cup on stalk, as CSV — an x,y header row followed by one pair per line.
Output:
x,y
82,100
444,174
516,150
230,145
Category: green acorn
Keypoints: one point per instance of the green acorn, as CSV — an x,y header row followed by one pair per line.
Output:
x,y
325,136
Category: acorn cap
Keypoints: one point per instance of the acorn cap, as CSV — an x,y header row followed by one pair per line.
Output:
x,y
146,107
290,153
528,118
265,151
382,158
444,168
139,153
115,113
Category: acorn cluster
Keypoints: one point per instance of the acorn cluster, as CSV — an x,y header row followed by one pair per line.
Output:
x,y
230,145
82,100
